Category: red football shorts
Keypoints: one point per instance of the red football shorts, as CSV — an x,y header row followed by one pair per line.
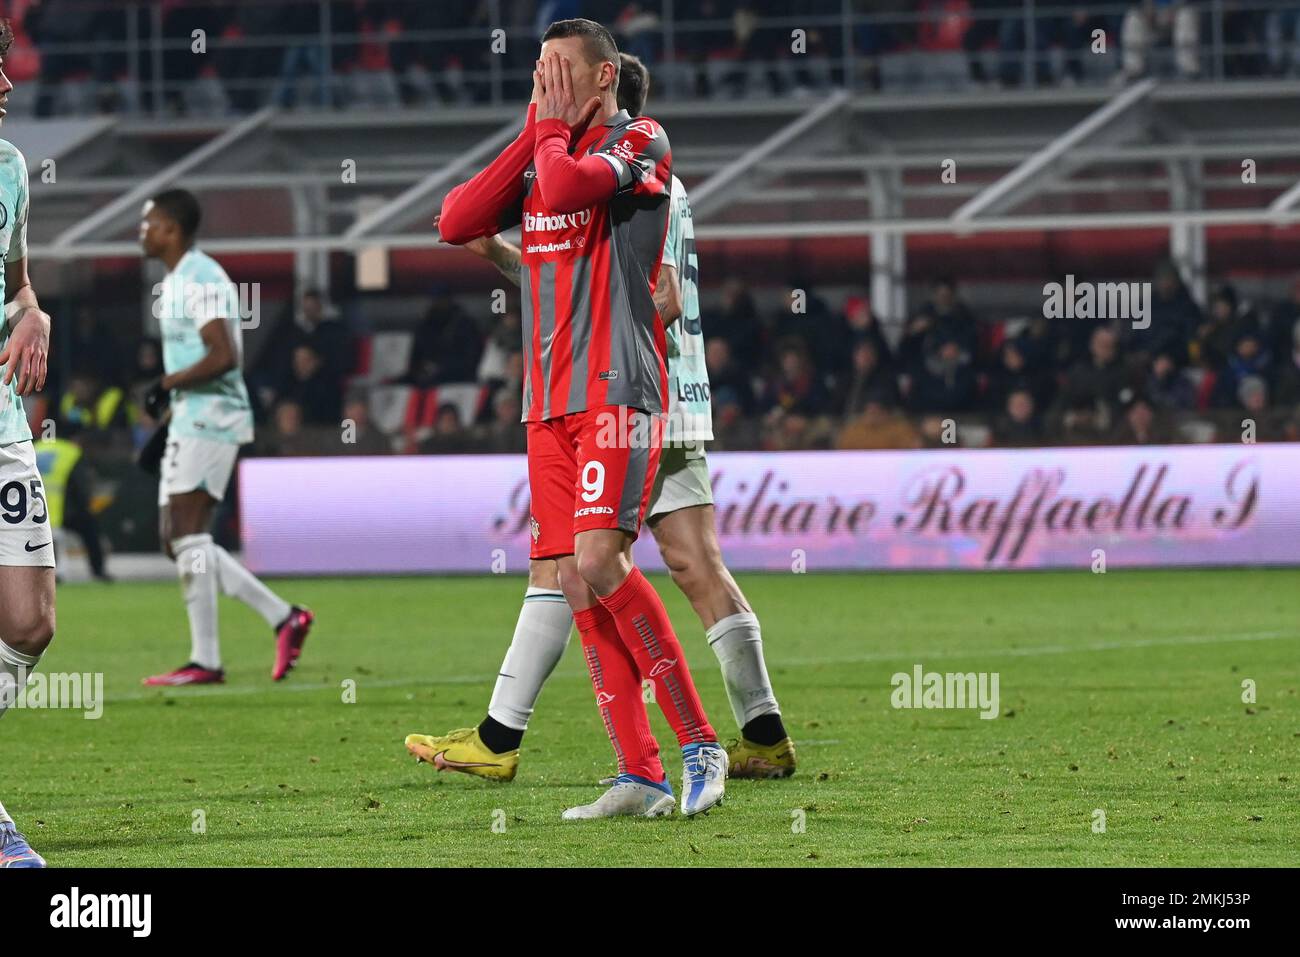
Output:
x,y
592,469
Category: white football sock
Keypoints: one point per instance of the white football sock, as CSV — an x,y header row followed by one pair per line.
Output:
x,y
737,642
540,638
4,816
238,582
196,564
15,668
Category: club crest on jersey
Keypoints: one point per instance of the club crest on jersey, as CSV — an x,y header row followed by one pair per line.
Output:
x,y
4,216
534,529
645,128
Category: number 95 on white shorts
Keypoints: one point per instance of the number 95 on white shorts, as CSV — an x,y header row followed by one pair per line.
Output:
x,y
191,463
25,536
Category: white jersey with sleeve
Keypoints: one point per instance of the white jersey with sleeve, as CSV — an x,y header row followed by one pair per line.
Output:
x,y
690,410
13,246
197,292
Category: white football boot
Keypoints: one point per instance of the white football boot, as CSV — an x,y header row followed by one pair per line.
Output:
x,y
630,796
704,777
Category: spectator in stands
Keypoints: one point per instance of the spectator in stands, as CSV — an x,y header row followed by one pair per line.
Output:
x,y
1018,426
1139,36
943,318
289,437
1252,409
1167,387
314,326
726,376
872,380
863,325
878,425
503,433
1097,382
824,333
796,389
1174,316
303,60
945,381
313,388
1014,374
1139,425
447,344
360,437
1218,332
449,434
737,322
1249,359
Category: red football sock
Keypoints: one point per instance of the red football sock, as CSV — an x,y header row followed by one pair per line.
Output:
x,y
646,631
617,683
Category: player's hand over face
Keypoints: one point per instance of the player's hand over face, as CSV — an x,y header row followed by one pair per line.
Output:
x,y
27,352
556,99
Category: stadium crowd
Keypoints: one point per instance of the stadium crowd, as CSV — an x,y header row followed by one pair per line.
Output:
x,y
787,372
82,56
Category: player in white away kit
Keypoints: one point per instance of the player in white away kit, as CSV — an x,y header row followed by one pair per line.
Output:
x,y
680,515
198,312
26,542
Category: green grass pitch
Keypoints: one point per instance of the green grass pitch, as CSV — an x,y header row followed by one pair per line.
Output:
x,y
1120,692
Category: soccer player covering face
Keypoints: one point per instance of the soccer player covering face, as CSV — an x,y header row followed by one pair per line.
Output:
x,y
680,515
210,418
26,543
590,186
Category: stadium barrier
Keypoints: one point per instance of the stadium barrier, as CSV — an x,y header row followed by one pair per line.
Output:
x,y
1085,508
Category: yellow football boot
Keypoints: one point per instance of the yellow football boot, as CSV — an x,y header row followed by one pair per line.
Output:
x,y
463,750
750,760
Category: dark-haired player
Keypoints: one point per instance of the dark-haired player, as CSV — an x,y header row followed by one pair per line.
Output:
x,y
680,515
26,543
198,312
590,186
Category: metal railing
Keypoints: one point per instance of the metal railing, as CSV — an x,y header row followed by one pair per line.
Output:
x,y
81,56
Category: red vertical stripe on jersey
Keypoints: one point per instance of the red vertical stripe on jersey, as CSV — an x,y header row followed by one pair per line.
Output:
x,y
598,352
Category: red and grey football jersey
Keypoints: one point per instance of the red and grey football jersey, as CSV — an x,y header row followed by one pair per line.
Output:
x,y
592,334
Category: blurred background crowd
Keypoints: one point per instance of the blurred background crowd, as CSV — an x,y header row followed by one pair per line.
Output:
x,y
793,371
87,56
